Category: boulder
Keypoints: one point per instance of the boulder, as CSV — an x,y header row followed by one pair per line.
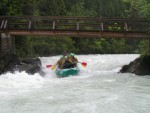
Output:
x,y
31,66
140,66
10,63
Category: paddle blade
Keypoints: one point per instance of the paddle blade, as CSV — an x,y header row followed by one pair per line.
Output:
x,y
84,64
48,66
53,67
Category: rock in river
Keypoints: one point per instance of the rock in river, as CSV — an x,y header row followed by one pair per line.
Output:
x,y
140,66
10,62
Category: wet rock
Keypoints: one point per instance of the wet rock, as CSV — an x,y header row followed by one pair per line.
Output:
x,y
31,66
140,66
10,63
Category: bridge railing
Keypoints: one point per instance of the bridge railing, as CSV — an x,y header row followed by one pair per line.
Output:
x,y
47,23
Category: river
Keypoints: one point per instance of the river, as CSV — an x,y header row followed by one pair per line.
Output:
x,y
98,88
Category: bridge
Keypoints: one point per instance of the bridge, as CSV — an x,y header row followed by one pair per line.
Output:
x,y
11,26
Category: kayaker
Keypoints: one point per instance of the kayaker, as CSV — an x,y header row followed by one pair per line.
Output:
x,y
61,61
67,61
73,60
66,64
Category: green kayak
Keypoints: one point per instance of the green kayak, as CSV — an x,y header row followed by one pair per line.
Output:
x,y
67,72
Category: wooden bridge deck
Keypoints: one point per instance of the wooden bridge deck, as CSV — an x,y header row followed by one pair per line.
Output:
x,y
76,26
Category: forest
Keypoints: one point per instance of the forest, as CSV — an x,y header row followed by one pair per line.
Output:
x,y
46,46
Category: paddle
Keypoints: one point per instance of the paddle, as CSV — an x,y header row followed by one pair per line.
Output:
x,y
51,66
48,66
84,64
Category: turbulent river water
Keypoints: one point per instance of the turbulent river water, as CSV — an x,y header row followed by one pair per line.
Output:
x,y
98,88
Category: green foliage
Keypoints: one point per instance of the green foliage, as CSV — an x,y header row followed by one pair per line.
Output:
x,y
144,46
45,46
78,10
139,7
107,8
146,8
14,7
86,45
134,8
51,7
23,46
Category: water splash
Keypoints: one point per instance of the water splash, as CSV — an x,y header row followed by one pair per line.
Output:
x,y
97,89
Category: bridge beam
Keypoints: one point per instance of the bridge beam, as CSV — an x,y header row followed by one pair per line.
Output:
x,y
7,43
99,34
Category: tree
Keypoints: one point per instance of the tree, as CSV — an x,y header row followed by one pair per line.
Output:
x,y
14,7
51,7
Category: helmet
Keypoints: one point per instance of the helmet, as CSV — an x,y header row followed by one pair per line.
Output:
x,y
72,54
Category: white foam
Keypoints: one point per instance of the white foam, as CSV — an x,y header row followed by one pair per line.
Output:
x,y
98,88
20,79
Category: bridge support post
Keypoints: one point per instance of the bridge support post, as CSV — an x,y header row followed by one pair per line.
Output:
x,y
54,25
7,43
78,26
149,45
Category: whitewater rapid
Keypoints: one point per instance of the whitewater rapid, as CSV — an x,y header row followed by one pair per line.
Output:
x,y
98,88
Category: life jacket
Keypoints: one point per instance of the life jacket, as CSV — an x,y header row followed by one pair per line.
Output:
x,y
73,60
60,61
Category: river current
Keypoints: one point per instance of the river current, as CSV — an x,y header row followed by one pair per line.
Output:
x,y
98,88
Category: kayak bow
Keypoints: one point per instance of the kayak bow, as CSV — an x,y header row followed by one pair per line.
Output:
x,y
67,72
